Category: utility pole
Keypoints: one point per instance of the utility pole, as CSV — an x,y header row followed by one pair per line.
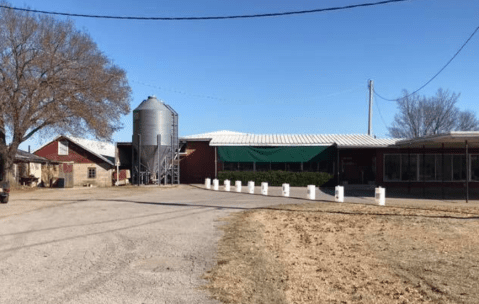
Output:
x,y
370,120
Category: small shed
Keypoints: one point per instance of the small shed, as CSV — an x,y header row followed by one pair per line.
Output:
x,y
27,168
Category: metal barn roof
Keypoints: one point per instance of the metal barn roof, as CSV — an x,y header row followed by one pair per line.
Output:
x,y
230,138
24,156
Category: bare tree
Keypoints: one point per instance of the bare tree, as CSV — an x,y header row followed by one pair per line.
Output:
x,y
53,78
421,116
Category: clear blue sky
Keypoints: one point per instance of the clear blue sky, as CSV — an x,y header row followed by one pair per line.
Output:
x,y
293,74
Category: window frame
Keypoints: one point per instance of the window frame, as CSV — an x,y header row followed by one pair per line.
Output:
x,y
89,170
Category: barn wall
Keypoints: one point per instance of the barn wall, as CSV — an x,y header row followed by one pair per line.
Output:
x,y
198,163
82,160
80,175
50,174
76,154
357,165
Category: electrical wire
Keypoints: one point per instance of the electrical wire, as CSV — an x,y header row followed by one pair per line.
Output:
x,y
184,93
176,91
192,18
437,74
381,115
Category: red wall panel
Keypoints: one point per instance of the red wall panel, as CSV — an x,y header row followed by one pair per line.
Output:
x,y
199,162
75,154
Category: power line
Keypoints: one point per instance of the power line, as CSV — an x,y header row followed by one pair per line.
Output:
x,y
192,18
183,92
210,97
381,115
437,74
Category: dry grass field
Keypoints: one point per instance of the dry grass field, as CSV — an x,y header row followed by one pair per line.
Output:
x,y
349,253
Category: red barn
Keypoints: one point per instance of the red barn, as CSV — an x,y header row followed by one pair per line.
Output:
x,y
83,162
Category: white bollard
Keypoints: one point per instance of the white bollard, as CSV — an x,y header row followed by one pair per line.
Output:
x,y
264,188
208,183
227,185
238,186
251,187
286,190
380,196
216,184
311,192
339,194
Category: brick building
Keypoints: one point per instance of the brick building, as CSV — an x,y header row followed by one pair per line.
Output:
x,y
443,165
350,158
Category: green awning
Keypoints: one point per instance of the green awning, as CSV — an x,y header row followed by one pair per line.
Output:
x,y
276,154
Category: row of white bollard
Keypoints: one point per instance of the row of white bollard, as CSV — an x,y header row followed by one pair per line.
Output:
x,y
251,185
380,193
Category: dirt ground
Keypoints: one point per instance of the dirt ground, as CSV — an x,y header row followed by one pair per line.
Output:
x,y
412,252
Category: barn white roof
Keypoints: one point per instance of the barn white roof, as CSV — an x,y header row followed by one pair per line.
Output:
x,y
98,147
230,138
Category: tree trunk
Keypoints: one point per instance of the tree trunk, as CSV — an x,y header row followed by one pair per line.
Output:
x,y
7,156
7,166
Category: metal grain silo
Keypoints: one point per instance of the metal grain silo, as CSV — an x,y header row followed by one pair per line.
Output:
x,y
155,141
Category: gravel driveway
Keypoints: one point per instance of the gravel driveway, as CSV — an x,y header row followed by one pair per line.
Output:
x,y
113,245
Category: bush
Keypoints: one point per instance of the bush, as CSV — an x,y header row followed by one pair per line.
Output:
x,y
277,178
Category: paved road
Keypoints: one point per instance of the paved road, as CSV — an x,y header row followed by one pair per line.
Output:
x,y
127,245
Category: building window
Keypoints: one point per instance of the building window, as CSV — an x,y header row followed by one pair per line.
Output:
x,y
245,166
63,147
392,167
91,172
409,167
263,166
475,167
459,167
429,167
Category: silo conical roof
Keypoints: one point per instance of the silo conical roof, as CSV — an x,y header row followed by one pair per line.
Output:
x,y
151,103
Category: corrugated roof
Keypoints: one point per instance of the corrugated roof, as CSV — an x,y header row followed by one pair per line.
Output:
x,y
24,156
230,138
98,147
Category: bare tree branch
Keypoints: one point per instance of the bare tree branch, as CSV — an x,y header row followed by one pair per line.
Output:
x,y
421,116
54,78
